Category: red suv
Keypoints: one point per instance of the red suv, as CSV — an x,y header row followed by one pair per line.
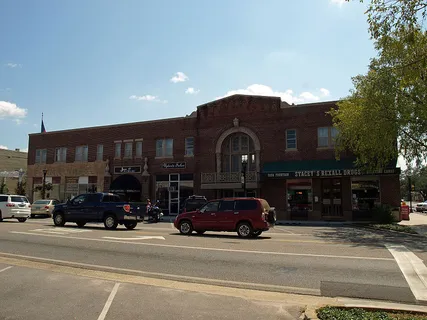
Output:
x,y
249,217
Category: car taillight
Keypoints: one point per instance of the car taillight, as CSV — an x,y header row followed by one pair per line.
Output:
x,y
46,207
10,205
126,207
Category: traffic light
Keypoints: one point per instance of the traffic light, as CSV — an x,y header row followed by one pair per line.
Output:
x,y
412,187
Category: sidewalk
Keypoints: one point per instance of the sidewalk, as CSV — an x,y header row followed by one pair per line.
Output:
x,y
417,221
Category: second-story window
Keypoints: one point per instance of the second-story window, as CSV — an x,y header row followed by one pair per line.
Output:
x,y
326,137
291,139
138,149
164,148
128,150
81,153
118,150
100,152
189,146
41,155
61,154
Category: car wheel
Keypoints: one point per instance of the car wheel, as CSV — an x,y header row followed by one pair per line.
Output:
x,y
59,220
200,232
185,227
32,216
131,225
244,229
22,219
110,222
1,217
256,233
81,224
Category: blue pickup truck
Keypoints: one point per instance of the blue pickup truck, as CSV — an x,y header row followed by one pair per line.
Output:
x,y
98,207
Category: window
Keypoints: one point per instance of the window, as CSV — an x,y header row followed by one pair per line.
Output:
x,y
118,150
100,152
138,151
210,207
60,154
326,137
128,150
246,204
3,198
41,155
79,199
94,198
291,139
235,148
18,199
81,153
227,205
189,146
164,148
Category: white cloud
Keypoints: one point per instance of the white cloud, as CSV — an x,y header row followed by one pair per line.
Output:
x,y
147,97
339,3
191,91
325,92
179,77
3,147
11,110
13,65
287,95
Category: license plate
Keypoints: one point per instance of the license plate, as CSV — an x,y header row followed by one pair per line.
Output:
x,y
130,218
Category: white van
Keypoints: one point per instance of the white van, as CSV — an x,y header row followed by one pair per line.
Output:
x,y
14,207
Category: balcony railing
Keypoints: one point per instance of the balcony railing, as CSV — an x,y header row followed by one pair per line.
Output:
x,y
228,177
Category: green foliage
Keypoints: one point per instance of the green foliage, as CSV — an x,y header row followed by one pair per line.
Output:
x,y
418,179
395,227
382,214
336,313
3,187
20,188
47,187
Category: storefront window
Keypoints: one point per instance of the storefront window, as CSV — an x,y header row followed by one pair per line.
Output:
x,y
365,193
299,195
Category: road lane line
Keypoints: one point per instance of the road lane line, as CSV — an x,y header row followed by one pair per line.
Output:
x,y
209,248
413,269
7,268
137,238
109,301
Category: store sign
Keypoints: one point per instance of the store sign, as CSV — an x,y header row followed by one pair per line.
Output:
x,y
330,173
135,169
174,165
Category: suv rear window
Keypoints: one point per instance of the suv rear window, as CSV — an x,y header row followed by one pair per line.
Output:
x,y
18,199
249,204
42,202
3,198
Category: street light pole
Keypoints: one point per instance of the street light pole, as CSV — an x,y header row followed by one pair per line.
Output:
x,y
244,166
44,183
21,173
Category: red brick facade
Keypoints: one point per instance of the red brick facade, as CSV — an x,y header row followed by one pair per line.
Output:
x,y
264,119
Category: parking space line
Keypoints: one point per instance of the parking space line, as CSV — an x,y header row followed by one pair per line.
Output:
x,y
7,268
109,301
413,269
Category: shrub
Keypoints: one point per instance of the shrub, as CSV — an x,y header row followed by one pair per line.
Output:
x,y
382,214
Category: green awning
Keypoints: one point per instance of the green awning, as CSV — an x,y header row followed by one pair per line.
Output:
x,y
304,165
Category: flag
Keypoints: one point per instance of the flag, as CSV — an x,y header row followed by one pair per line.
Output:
x,y
43,129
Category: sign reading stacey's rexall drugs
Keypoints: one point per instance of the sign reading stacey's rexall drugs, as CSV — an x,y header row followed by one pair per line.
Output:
x,y
131,169
329,173
174,165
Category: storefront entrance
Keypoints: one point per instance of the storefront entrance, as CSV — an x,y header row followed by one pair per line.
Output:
x,y
127,187
171,191
332,198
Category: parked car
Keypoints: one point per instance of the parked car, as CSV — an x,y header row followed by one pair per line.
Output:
x,y
192,203
14,207
249,217
43,207
422,206
98,207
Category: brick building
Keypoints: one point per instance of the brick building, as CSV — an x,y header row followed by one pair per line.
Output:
x,y
289,151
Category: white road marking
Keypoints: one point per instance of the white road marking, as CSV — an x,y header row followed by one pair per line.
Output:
x,y
57,230
109,301
413,269
208,248
172,226
7,268
137,238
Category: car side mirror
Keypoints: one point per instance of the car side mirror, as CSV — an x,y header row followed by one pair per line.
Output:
x,y
198,211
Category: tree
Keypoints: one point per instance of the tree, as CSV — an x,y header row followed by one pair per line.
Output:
x,y
3,187
48,187
386,113
20,188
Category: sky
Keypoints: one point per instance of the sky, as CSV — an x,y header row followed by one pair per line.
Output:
x,y
86,63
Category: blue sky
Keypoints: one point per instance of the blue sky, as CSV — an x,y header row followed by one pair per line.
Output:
x,y
86,63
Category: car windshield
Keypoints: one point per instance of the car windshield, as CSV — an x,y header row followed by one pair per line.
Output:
x,y
18,199
42,202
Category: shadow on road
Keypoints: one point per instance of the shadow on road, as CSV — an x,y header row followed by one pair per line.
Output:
x,y
219,236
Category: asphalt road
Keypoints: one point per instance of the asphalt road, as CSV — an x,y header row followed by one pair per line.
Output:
x,y
326,261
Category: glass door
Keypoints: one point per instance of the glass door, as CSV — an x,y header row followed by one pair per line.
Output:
x,y
331,198
174,185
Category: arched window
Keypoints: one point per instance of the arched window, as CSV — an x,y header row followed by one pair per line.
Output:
x,y
233,148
